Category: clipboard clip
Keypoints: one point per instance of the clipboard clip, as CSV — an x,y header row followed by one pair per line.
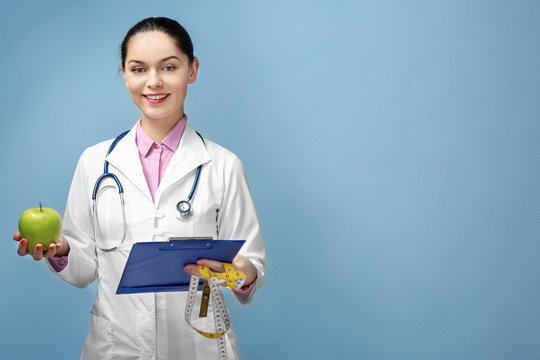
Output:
x,y
188,243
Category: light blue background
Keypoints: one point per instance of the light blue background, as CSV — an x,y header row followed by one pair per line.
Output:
x,y
392,149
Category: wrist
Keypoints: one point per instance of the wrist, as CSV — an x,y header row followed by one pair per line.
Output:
x,y
249,282
64,249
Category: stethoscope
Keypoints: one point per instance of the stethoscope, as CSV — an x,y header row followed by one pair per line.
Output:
x,y
183,207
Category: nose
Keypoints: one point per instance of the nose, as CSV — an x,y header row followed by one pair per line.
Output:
x,y
153,80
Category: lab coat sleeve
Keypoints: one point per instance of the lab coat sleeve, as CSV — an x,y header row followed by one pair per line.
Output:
x,y
237,220
77,227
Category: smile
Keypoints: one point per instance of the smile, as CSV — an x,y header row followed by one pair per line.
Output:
x,y
157,98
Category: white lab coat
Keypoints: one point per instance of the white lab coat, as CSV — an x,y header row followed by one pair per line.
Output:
x,y
151,325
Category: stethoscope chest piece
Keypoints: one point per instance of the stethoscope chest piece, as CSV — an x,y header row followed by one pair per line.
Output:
x,y
184,206
184,210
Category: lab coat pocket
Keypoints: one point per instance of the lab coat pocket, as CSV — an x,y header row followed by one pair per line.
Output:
x,y
99,343
205,212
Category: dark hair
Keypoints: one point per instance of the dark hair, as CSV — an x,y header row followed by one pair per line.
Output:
x,y
168,26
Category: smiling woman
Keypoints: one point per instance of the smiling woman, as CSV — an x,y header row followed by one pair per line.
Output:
x,y
155,162
157,74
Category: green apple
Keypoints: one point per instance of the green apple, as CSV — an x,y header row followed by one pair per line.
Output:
x,y
40,226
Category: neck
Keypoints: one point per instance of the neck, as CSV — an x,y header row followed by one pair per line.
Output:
x,y
158,129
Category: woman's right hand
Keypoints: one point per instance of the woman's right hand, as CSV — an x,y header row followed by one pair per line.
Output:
x,y
60,248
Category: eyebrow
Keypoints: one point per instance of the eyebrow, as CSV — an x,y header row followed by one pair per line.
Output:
x,y
162,60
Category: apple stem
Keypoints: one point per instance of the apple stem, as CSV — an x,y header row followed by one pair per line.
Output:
x,y
40,208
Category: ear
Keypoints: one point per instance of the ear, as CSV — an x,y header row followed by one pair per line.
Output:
x,y
125,79
193,71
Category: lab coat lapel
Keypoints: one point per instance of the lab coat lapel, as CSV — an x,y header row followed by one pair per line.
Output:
x,y
125,158
190,154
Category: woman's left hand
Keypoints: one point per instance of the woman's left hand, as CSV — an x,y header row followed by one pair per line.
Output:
x,y
240,262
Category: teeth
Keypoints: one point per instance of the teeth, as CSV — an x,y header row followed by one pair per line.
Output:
x,y
157,97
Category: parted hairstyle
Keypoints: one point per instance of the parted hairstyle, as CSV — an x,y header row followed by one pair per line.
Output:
x,y
168,26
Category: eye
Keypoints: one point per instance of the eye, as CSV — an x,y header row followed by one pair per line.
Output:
x,y
137,70
169,68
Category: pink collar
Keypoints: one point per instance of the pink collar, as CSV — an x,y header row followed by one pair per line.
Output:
x,y
172,140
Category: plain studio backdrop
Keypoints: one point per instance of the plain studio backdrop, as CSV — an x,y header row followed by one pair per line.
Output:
x,y
392,149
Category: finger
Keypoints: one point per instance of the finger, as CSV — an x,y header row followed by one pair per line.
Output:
x,y
17,236
216,266
51,251
192,270
22,249
38,252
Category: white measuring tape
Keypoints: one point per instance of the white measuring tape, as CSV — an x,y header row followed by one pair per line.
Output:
x,y
222,322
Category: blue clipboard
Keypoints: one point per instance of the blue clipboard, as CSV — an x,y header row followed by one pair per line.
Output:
x,y
159,266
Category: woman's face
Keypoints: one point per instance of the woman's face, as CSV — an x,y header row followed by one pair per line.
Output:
x,y
157,74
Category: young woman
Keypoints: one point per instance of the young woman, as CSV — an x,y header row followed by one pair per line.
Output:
x,y
156,163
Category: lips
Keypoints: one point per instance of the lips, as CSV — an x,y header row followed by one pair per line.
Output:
x,y
156,98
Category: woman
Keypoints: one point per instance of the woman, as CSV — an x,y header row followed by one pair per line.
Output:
x,y
156,163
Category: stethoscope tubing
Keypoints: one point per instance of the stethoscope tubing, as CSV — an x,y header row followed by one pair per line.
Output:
x,y
106,172
184,213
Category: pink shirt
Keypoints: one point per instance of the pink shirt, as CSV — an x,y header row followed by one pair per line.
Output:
x,y
155,157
